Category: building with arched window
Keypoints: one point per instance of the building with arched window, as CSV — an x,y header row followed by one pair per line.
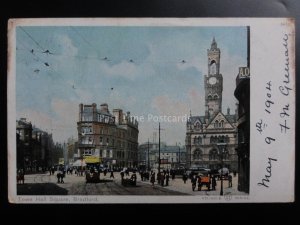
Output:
x,y
204,133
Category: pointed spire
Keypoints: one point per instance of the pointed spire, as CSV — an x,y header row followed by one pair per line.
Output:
x,y
213,44
190,113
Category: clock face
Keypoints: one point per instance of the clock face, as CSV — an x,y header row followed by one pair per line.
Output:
x,y
212,80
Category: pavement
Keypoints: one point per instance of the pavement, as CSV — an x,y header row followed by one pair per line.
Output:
x,y
39,184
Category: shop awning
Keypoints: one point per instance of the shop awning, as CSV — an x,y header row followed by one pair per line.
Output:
x,y
92,159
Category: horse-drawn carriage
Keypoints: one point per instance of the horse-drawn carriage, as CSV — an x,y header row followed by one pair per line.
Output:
x,y
129,181
204,181
92,177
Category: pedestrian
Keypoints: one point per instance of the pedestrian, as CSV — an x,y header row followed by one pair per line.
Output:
x,y
173,175
58,176
122,175
229,180
158,178
234,173
162,179
152,179
112,174
184,177
199,183
213,183
193,181
167,179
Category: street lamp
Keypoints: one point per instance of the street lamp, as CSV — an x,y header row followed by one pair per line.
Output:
x,y
148,156
179,154
221,148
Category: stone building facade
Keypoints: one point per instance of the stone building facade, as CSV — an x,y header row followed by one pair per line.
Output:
x,y
112,137
35,147
206,134
242,94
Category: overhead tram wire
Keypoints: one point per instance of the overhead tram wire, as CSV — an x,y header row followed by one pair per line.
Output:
x,y
105,58
37,43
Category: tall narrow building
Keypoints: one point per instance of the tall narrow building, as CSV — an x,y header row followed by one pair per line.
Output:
x,y
215,132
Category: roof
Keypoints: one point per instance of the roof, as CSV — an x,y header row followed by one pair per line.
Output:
x,y
193,119
231,118
104,113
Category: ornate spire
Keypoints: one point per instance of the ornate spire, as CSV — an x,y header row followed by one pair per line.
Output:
x,y
214,45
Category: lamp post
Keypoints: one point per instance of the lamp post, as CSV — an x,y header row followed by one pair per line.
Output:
x,y
179,154
148,156
158,147
221,148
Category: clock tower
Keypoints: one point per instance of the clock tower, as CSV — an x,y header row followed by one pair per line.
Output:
x,y
213,82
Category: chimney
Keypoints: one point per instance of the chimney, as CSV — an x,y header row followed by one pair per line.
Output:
x,y
118,114
104,108
128,116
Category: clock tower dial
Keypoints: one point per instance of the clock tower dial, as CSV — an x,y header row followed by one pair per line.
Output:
x,y
213,81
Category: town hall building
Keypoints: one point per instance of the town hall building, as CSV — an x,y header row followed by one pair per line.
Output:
x,y
211,140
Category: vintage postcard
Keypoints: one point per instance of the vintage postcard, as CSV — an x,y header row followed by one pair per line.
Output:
x,y
151,110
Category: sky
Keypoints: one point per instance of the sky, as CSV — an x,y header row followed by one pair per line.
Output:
x,y
149,71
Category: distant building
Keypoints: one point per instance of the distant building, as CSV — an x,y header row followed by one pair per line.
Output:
x,y
42,148
24,143
110,137
34,147
72,150
204,134
170,156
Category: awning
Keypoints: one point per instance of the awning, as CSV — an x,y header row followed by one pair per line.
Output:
x,y
79,163
92,159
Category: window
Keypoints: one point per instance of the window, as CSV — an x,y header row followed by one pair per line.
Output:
x,y
222,123
101,140
213,68
198,154
213,154
216,124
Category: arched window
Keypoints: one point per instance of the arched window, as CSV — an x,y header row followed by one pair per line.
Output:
x,y
213,139
213,67
197,125
216,97
213,154
226,155
198,154
209,97
199,140
222,123
195,140
216,125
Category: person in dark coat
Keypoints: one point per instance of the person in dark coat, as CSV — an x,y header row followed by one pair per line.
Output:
x,y
184,177
229,181
112,174
167,179
152,179
213,183
194,181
